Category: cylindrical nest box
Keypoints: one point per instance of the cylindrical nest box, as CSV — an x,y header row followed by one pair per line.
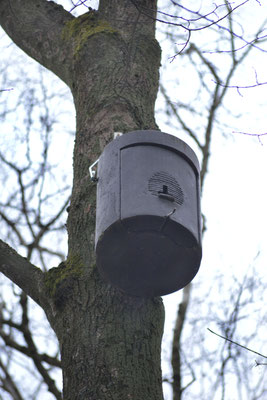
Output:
x,y
148,229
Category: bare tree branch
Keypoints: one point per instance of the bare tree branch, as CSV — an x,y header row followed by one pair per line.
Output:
x,y
22,272
257,135
34,352
237,344
53,361
42,41
176,344
177,115
238,87
7,383
6,90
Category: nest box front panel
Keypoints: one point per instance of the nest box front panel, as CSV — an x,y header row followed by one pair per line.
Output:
x,y
157,181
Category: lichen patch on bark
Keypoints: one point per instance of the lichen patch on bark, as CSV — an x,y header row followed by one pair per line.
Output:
x,y
81,28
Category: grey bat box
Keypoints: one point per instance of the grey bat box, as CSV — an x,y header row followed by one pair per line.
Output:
x,y
148,233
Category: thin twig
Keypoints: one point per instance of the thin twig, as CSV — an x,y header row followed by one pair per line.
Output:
x,y
238,87
240,345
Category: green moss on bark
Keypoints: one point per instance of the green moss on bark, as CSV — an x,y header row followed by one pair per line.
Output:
x,y
70,270
81,28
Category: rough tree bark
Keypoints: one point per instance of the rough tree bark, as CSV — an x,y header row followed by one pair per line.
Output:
x,y
110,343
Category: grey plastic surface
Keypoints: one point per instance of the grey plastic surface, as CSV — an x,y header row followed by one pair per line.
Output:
x,y
148,235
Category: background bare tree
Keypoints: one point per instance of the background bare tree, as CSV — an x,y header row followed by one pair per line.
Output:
x,y
33,216
215,61
33,212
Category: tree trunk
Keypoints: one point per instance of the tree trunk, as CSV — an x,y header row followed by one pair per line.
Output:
x,y
110,343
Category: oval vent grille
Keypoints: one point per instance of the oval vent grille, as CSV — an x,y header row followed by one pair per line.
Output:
x,y
162,182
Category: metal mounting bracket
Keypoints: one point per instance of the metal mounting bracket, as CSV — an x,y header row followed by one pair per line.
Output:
x,y
93,171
